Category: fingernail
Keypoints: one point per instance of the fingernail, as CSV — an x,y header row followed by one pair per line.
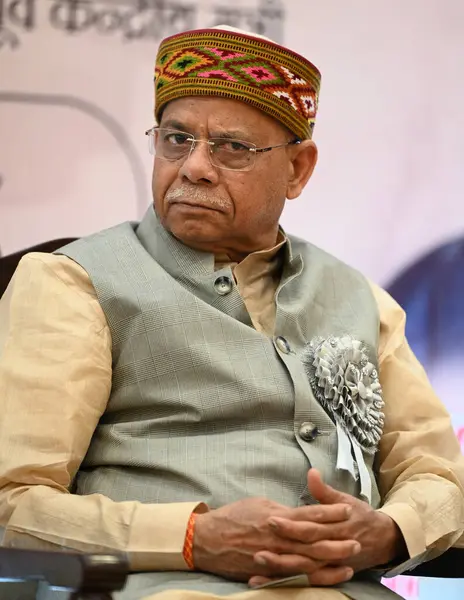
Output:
x,y
260,560
349,573
348,511
273,524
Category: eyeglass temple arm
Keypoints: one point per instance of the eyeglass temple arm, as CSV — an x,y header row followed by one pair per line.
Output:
x,y
261,150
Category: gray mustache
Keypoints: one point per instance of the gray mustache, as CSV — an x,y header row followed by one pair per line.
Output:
x,y
195,194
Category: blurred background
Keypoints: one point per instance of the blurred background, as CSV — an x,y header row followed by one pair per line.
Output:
x,y
76,95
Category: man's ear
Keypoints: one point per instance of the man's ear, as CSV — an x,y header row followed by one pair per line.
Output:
x,y
303,159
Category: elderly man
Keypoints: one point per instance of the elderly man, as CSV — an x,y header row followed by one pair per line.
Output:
x,y
226,403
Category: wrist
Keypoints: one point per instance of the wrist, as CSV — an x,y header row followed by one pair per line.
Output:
x,y
395,549
189,540
198,548
205,549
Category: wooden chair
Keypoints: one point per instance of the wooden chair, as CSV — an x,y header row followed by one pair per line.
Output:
x,y
97,576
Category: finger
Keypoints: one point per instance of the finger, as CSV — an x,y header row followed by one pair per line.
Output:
x,y
308,532
286,564
332,551
318,573
320,513
320,552
323,493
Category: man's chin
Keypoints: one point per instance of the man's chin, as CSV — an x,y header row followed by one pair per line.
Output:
x,y
191,231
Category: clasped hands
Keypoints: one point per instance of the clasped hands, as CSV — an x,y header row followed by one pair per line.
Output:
x,y
257,540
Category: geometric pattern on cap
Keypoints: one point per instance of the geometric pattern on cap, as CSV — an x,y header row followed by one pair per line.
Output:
x,y
259,72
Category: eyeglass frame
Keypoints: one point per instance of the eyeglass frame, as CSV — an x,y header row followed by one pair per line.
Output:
x,y
255,149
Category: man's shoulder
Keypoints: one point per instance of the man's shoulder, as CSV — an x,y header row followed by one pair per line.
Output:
x,y
44,265
118,231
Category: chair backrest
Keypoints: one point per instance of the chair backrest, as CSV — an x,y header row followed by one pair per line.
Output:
x,y
9,263
94,576
447,566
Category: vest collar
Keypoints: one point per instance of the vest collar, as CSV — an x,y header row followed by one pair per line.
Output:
x,y
181,260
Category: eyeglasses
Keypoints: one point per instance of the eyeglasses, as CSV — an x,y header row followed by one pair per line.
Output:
x,y
224,153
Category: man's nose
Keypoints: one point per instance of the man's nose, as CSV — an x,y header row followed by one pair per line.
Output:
x,y
197,166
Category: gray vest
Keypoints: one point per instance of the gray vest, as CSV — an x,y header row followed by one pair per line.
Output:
x,y
204,407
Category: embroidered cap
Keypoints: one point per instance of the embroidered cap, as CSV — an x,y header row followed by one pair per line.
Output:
x,y
229,63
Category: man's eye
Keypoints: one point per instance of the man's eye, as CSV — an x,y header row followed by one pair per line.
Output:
x,y
233,146
177,139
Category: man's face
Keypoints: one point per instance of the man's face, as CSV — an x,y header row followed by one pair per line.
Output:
x,y
213,209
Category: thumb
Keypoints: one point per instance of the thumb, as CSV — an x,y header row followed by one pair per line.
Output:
x,y
323,493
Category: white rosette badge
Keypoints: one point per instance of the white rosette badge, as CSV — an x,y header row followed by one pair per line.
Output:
x,y
347,385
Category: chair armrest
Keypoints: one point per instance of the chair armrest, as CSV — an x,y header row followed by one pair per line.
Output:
x,y
449,565
84,573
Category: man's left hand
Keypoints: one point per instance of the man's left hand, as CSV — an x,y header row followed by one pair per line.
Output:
x,y
380,539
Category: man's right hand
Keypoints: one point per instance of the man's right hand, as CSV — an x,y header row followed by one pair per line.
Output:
x,y
227,539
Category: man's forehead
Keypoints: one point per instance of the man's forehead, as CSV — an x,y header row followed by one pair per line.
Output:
x,y
216,114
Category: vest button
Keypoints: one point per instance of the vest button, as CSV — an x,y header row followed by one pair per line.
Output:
x,y
223,285
282,344
308,432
